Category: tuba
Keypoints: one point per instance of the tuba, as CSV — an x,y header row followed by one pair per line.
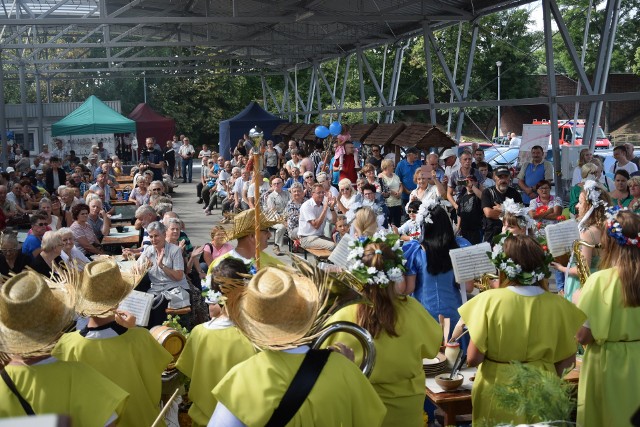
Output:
x,y
581,263
336,291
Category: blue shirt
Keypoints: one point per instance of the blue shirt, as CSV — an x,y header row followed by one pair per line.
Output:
x,y
439,293
405,172
291,181
31,243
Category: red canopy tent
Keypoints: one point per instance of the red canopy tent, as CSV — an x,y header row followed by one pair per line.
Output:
x,y
149,123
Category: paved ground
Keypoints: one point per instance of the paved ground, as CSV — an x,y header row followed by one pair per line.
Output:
x,y
198,225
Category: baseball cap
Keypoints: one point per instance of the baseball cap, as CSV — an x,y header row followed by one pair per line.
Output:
x,y
93,156
10,169
501,170
101,161
307,174
449,152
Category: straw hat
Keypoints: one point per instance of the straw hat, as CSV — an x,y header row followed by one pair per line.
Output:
x,y
34,312
102,288
276,309
244,223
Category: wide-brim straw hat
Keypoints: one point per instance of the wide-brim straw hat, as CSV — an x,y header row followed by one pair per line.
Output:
x,y
34,313
276,309
103,287
244,223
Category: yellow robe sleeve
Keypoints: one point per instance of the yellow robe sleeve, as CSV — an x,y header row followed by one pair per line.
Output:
x,y
474,315
594,301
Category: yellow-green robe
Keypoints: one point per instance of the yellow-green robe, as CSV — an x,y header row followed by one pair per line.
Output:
x,y
211,351
266,260
609,388
398,375
342,395
507,326
70,388
133,360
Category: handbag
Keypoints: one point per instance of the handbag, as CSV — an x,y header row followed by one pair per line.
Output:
x,y
300,387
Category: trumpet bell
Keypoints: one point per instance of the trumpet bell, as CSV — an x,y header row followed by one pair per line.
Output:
x,y
362,335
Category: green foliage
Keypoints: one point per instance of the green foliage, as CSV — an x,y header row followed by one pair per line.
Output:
x,y
627,42
174,322
535,394
636,64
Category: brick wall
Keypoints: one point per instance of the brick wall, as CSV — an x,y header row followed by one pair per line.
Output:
x,y
614,112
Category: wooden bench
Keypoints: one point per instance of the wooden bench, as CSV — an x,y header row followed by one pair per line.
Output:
x,y
320,254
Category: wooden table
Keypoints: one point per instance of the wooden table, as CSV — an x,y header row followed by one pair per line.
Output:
x,y
122,202
128,238
124,179
458,402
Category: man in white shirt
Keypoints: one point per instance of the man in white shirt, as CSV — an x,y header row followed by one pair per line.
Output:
x,y
622,161
277,201
60,152
313,216
186,152
515,141
451,162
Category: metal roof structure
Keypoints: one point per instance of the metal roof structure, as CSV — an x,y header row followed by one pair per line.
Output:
x,y
238,36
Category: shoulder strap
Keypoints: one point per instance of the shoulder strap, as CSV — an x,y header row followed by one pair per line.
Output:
x,y
300,387
9,382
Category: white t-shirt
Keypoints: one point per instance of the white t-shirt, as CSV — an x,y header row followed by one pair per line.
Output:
x,y
310,211
629,167
185,150
204,153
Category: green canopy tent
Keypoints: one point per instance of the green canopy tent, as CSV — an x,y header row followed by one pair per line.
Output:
x,y
93,117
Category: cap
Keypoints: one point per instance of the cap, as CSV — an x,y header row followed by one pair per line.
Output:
x,y
501,170
10,169
94,146
93,156
101,161
449,152
412,150
307,173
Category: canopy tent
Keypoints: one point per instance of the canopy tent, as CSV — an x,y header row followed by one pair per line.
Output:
x,y
233,129
151,124
91,118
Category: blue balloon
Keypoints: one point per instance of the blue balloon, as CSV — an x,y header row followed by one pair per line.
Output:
x,y
335,128
322,131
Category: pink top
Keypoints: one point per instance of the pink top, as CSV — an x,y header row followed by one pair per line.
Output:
x,y
215,253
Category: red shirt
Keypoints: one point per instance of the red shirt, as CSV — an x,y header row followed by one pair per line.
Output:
x,y
348,167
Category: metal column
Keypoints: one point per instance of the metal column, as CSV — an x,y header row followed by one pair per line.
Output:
x,y
467,79
344,85
427,57
40,142
23,105
553,105
363,101
3,128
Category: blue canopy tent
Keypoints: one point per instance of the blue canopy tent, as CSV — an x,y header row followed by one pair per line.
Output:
x,y
233,129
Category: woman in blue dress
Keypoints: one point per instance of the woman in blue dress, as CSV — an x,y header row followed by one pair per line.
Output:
x,y
429,264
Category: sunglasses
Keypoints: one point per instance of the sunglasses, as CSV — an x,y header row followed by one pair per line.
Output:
x,y
412,211
42,224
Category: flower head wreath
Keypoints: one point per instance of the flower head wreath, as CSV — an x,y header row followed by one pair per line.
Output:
x,y
210,296
393,269
520,212
614,229
514,271
427,207
593,193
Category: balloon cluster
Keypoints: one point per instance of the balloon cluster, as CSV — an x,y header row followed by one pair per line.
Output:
x,y
334,129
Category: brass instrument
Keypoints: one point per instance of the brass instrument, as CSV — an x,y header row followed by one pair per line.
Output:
x,y
581,263
484,283
362,335
337,290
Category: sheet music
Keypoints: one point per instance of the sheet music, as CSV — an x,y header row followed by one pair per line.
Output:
x,y
560,237
139,304
471,262
341,252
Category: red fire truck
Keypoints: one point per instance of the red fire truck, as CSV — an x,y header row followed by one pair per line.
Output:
x,y
566,137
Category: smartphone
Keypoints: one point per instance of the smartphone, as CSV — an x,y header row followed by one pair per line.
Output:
x,y
462,182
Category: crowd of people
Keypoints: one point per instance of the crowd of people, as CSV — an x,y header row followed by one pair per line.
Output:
x,y
252,322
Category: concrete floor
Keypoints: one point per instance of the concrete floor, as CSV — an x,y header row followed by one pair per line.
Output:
x,y
198,225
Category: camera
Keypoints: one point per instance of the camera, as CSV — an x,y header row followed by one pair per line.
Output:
x,y
462,182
